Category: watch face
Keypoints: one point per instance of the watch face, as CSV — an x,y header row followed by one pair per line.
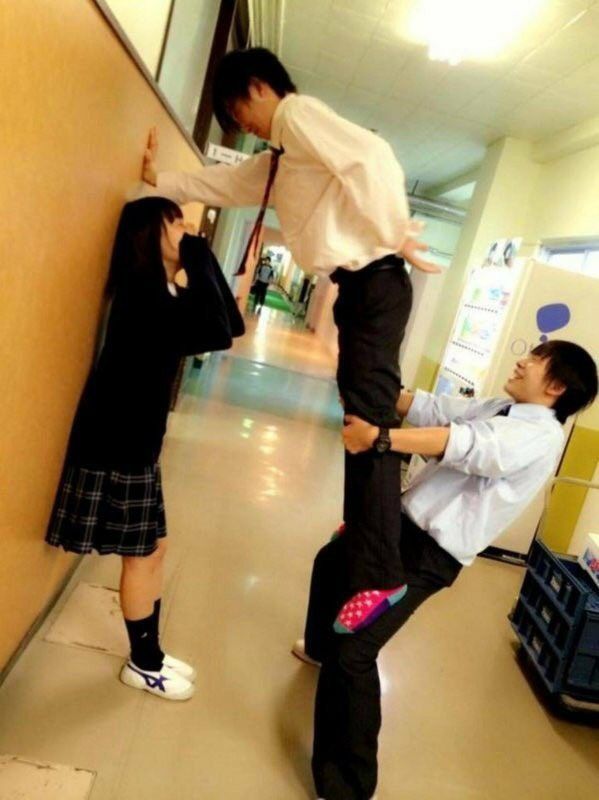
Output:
x,y
383,442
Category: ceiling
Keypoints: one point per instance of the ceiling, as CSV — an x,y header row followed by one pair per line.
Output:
x,y
356,55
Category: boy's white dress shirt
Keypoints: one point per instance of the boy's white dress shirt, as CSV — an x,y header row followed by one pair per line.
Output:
x,y
339,192
491,470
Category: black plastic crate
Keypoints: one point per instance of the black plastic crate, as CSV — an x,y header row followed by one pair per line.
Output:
x,y
561,578
583,676
547,613
556,619
583,672
549,663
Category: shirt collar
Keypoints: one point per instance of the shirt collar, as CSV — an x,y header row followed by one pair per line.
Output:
x,y
531,411
276,126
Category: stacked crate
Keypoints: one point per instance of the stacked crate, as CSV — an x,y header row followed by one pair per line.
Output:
x,y
556,619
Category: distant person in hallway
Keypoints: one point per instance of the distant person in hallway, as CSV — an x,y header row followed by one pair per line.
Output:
x,y
339,193
488,458
110,495
264,275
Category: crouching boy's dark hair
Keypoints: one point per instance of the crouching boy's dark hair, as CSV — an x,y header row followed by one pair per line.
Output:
x,y
573,367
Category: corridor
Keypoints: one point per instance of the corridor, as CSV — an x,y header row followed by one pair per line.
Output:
x,y
253,477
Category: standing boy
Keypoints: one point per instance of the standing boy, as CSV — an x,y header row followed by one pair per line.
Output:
x,y
339,193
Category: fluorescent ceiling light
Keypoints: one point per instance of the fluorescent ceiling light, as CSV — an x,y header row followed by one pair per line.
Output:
x,y
477,30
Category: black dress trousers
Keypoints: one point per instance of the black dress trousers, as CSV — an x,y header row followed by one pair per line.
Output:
x,y
347,717
371,314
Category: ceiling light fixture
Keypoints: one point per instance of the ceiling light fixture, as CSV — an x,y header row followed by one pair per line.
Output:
x,y
476,30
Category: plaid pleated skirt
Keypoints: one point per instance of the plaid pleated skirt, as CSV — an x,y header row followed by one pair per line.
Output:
x,y
108,511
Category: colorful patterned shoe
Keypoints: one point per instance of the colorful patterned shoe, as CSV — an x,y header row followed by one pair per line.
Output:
x,y
338,532
365,607
166,683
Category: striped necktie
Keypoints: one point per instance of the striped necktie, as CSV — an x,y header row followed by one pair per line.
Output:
x,y
252,244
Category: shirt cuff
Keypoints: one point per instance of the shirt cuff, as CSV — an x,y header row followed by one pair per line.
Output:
x,y
140,190
168,184
417,407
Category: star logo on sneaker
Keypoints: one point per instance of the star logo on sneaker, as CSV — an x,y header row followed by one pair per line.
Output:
x,y
152,682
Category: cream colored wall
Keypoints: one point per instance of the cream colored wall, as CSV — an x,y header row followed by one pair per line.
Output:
x,y
442,237
565,201
76,111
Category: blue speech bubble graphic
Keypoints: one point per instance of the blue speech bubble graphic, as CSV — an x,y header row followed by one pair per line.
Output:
x,y
551,318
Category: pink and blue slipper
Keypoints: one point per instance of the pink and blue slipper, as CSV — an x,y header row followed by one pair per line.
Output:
x,y
338,532
365,607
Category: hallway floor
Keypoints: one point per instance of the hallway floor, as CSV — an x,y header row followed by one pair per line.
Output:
x,y
252,473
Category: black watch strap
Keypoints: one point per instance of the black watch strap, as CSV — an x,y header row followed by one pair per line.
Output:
x,y
382,443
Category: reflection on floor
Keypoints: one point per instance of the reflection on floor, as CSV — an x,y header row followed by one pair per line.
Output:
x,y
252,471
281,340
272,390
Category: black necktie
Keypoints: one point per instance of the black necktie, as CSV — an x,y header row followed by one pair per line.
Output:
x,y
504,412
257,229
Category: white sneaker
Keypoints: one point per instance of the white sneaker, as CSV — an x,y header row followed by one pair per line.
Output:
x,y
184,669
299,651
167,683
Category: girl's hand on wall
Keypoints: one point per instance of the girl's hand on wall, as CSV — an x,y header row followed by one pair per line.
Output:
x,y
149,173
410,250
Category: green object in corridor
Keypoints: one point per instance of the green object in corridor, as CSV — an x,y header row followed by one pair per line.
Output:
x,y
278,301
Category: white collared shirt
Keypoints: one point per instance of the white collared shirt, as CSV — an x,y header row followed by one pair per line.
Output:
x,y
339,192
491,470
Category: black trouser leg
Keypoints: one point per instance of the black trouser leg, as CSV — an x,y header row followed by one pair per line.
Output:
x,y
347,716
329,589
371,314
260,293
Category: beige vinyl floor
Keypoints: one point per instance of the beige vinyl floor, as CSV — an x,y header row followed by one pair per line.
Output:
x,y
252,474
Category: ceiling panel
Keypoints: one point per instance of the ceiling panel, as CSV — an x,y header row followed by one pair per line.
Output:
x,y
379,67
355,55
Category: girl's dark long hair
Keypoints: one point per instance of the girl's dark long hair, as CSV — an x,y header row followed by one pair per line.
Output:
x,y
136,254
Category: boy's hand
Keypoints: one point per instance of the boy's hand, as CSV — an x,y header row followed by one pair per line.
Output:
x,y
149,173
410,250
358,435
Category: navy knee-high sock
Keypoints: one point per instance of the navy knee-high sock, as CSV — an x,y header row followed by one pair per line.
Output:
x,y
156,618
143,637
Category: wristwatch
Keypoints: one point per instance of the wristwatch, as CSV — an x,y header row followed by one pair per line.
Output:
x,y
382,443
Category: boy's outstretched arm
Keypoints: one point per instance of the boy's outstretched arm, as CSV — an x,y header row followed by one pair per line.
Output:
x,y
359,436
404,403
222,185
490,448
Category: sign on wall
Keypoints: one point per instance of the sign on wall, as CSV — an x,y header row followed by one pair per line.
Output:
x,y
225,155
